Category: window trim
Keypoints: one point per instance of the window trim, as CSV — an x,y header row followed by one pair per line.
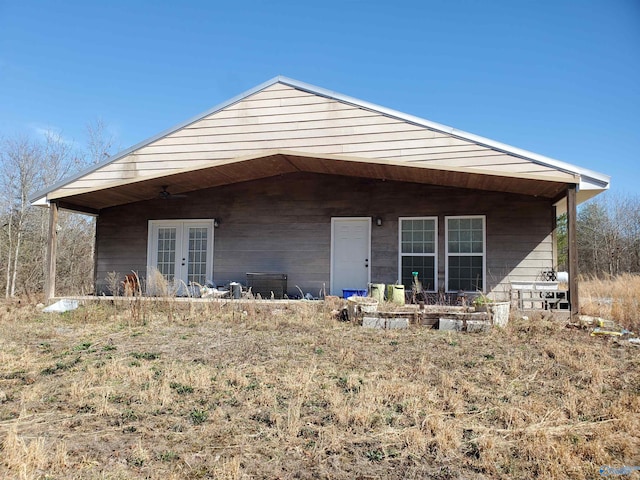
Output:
x,y
483,254
434,254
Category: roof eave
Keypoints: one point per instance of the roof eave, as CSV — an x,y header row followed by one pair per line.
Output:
x,y
596,178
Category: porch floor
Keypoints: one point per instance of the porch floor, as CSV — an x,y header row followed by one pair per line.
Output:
x,y
121,298
426,315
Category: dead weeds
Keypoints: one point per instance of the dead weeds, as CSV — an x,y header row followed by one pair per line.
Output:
x,y
254,390
613,298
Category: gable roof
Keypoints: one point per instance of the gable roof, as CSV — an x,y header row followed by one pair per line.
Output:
x,y
291,123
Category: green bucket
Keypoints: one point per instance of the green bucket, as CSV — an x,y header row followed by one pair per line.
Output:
x,y
376,290
395,294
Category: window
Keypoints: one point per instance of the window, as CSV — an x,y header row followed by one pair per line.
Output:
x,y
166,252
197,264
465,243
418,251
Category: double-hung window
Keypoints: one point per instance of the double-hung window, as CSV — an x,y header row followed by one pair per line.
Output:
x,y
465,253
418,251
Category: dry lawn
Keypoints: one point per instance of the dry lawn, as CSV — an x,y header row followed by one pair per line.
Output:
x,y
236,391
616,298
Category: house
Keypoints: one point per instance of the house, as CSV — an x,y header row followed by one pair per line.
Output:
x,y
330,190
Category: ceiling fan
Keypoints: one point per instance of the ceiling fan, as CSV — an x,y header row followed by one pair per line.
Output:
x,y
167,195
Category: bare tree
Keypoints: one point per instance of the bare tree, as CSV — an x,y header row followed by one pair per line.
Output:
x,y
100,142
609,235
27,165
21,159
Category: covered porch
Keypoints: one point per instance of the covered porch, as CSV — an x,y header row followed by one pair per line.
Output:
x,y
323,180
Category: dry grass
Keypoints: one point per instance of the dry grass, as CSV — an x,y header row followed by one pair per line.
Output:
x,y
616,298
236,391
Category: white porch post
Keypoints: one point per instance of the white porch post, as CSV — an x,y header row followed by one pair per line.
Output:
x,y
50,276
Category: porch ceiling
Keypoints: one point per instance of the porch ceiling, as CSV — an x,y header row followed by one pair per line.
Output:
x,y
282,163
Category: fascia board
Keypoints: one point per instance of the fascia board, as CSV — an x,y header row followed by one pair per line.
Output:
x,y
591,182
40,202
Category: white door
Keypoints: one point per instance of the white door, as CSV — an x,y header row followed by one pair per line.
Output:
x,y
180,251
350,253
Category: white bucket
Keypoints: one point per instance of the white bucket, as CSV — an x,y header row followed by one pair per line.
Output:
x,y
499,313
357,306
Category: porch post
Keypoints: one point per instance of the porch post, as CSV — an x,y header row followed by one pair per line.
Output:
x,y
50,275
94,254
554,236
572,244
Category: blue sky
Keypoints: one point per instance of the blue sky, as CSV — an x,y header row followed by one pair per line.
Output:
x,y
560,78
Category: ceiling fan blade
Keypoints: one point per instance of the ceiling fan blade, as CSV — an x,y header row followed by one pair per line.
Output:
x,y
167,195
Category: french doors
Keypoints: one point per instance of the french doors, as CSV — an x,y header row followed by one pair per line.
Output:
x,y
181,251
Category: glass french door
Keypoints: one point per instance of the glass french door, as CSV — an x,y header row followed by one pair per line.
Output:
x,y
181,251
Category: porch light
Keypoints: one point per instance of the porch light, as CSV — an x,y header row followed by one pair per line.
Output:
x,y
216,223
379,221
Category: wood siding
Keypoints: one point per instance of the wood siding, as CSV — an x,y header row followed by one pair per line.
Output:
x,y
281,117
283,224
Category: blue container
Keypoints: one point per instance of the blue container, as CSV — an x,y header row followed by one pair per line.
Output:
x,y
351,293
